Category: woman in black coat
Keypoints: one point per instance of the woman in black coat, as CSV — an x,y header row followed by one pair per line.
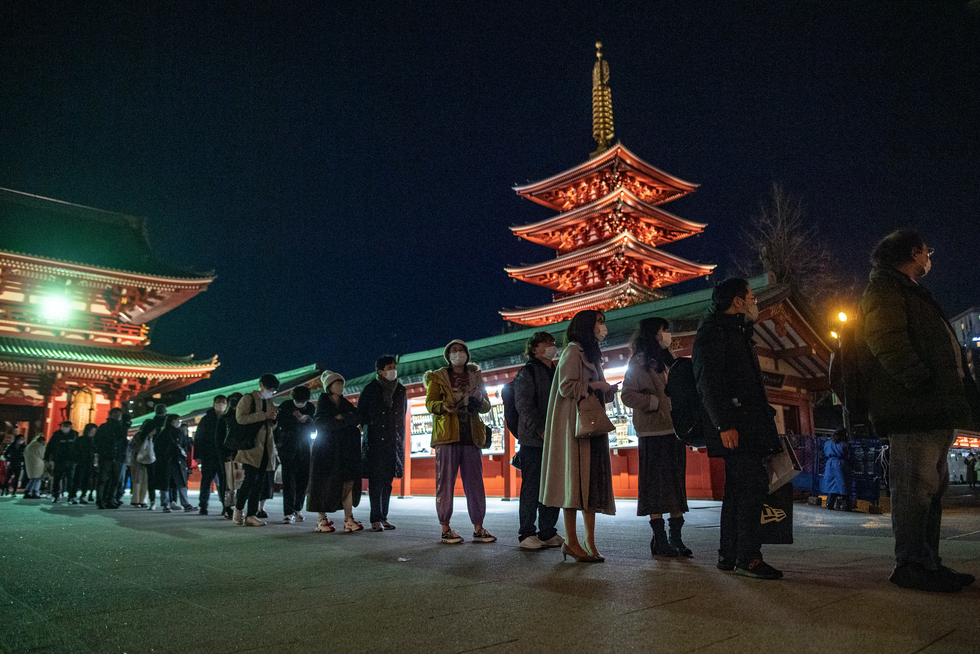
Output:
x,y
335,465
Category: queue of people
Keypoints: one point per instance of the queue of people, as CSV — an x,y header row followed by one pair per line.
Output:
x,y
564,454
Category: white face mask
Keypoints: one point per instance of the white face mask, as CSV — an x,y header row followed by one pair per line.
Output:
x,y
265,393
457,358
751,313
927,266
600,332
391,375
550,352
220,408
665,340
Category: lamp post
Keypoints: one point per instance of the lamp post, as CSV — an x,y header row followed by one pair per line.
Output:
x,y
845,413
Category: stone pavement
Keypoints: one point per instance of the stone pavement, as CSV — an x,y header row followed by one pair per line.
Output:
x,y
75,579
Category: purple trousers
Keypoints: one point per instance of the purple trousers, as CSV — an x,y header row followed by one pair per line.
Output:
x,y
467,460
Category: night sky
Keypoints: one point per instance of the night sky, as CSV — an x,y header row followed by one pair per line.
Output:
x,y
346,168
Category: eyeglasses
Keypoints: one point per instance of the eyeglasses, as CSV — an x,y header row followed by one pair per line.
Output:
x,y
929,251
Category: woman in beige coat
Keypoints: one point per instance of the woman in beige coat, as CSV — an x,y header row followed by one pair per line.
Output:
x,y
576,473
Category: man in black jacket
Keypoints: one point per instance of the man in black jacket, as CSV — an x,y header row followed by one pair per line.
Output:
x,y
110,447
207,452
382,408
532,387
739,423
293,445
59,453
920,390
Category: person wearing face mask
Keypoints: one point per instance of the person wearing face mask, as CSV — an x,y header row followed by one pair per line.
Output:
x,y
920,390
576,473
335,467
293,441
382,406
456,396
662,471
257,461
207,452
532,386
741,430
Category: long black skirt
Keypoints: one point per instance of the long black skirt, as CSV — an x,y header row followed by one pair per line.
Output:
x,y
662,476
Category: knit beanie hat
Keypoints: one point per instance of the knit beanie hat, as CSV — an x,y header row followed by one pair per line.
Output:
x,y
456,341
328,378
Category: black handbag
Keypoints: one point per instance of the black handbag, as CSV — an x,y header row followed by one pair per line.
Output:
x,y
239,436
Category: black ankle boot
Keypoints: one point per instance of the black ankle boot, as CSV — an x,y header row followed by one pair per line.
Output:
x,y
659,546
674,540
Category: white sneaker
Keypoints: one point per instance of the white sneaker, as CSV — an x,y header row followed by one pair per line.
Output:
x,y
325,526
299,516
554,541
532,543
351,525
238,518
289,519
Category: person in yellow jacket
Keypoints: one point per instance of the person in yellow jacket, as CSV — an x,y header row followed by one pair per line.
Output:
x,y
456,396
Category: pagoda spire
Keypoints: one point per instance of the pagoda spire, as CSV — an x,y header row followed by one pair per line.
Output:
x,y
602,116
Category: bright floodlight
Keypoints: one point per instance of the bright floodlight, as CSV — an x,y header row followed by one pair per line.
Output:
x,y
834,334
55,307
842,316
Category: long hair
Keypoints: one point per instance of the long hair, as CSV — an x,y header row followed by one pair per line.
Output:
x,y
581,330
646,346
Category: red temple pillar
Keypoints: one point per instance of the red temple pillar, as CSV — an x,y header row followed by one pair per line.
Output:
x,y
511,489
406,485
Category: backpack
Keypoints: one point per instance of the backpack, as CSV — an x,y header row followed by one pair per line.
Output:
x,y
239,436
511,417
685,403
848,372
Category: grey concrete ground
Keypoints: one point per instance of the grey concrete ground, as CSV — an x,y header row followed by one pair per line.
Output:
x,y
75,579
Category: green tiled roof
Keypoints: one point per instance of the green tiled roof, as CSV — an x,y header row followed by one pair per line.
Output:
x,y
201,402
70,233
11,348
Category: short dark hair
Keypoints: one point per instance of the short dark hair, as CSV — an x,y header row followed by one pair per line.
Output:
x,y
115,410
896,248
537,339
300,394
386,360
159,410
219,398
725,293
66,422
269,381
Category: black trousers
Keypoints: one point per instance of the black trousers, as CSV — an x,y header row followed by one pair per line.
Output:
x,y
212,471
379,492
63,475
530,508
295,483
108,486
253,486
746,487
13,474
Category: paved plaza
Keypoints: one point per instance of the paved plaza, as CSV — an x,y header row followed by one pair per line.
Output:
x,y
76,579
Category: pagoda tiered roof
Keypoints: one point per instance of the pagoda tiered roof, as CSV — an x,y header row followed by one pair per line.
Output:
x,y
618,258
626,212
596,178
612,296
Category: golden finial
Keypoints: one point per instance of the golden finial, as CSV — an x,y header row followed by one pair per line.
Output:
x,y
602,117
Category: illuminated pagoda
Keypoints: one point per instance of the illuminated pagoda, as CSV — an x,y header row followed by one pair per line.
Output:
x,y
609,228
78,287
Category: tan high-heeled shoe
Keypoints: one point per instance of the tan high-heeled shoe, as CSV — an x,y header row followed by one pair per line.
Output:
x,y
598,557
566,552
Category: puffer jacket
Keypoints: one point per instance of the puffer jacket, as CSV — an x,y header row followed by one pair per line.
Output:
x,y
915,383
439,394
532,386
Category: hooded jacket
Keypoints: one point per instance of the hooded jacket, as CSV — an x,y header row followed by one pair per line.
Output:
x,y
439,395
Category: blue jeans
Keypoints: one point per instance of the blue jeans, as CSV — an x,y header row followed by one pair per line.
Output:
x,y
918,476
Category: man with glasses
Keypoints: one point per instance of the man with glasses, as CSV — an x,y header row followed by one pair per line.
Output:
x,y
741,429
920,390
